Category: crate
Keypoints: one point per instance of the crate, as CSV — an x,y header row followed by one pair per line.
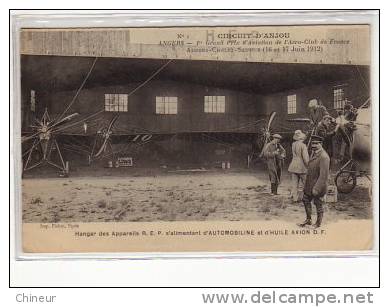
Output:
x,y
226,165
124,162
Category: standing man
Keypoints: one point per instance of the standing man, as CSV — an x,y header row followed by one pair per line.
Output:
x,y
299,164
344,131
325,131
316,182
324,127
350,113
274,155
339,136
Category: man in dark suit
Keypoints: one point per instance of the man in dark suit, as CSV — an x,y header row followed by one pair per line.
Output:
x,y
316,182
326,130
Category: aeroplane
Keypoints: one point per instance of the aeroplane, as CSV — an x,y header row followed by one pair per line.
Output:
x,y
41,145
360,152
94,136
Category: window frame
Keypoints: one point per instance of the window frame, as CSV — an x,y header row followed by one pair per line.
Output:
x,y
115,102
32,100
291,104
339,98
215,104
166,105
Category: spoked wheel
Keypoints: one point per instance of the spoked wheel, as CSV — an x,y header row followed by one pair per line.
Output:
x,y
346,181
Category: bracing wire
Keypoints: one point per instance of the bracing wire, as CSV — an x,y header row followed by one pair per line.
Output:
x,y
363,80
78,90
149,78
86,78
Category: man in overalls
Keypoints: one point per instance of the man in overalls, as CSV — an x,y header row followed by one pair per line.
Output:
x,y
274,155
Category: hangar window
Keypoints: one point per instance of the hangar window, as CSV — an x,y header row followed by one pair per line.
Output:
x,y
33,101
214,104
116,102
292,104
165,105
339,100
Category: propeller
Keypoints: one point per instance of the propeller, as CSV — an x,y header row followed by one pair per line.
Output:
x,y
106,135
266,132
44,139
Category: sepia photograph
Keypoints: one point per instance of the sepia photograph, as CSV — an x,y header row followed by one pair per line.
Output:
x,y
236,125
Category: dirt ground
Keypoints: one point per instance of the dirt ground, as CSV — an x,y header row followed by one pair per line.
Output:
x,y
175,196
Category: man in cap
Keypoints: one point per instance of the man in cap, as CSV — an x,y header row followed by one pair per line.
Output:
x,y
324,129
316,181
274,155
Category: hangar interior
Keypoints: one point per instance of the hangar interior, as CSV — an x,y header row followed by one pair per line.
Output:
x,y
192,113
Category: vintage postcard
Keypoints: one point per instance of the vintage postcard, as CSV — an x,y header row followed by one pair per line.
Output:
x,y
196,139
